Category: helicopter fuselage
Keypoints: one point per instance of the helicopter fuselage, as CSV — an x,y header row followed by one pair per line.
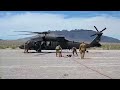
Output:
x,y
50,43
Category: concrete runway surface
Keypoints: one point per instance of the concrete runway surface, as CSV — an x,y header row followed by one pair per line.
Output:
x,y
98,64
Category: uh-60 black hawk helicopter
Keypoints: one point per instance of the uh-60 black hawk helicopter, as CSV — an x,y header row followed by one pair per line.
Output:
x,y
49,42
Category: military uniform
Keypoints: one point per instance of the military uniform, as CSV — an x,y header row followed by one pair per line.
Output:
x,y
74,50
26,47
82,50
58,50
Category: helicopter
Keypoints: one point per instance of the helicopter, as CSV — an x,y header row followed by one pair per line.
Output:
x,y
49,42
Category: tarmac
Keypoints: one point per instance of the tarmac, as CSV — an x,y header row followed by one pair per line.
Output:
x,y
98,64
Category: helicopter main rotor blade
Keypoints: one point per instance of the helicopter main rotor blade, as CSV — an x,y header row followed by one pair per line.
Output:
x,y
96,28
22,31
12,35
34,32
19,34
24,34
30,32
103,30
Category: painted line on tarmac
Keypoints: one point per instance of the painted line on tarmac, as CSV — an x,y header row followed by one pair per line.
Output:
x,y
93,70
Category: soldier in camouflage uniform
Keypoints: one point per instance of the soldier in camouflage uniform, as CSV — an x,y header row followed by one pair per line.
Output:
x,y
82,49
58,51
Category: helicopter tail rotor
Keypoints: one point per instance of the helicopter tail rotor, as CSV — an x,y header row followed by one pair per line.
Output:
x,y
93,35
96,28
103,29
98,32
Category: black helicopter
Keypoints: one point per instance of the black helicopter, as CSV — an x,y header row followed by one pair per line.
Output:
x,y
49,42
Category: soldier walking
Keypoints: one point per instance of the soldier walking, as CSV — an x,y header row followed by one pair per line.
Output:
x,y
82,49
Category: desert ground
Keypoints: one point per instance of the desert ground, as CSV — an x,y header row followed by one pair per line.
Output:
x,y
98,64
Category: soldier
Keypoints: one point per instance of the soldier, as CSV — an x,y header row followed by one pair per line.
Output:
x,y
26,47
82,49
58,51
74,50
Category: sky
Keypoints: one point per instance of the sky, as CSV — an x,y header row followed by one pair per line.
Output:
x,y
11,21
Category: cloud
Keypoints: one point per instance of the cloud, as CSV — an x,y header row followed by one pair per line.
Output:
x,y
30,21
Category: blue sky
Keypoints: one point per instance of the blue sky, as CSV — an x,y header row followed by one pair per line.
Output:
x,y
69,13
11,21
